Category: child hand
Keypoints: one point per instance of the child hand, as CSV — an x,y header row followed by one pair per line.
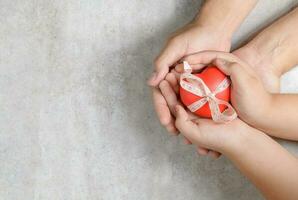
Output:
x,y
248,95
223,138
169,89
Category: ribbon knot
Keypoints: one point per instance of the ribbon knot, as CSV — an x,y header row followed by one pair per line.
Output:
x,y
197,86
210,96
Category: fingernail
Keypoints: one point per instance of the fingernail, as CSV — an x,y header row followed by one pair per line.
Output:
x,y
153,77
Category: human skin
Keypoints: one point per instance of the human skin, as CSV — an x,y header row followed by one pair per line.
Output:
x,y
270,167
277,46
245,83
248,95
270,54
212,29
275,114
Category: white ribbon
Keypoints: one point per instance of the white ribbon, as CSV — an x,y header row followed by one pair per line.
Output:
x,y
196,86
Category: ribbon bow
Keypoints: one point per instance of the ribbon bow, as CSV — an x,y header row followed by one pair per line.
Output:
x,y
196,85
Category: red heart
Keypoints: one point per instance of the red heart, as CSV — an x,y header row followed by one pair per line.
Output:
x,y
212,77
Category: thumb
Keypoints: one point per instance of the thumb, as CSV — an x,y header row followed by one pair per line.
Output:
x,y
236,71
188,128
226,66
168,57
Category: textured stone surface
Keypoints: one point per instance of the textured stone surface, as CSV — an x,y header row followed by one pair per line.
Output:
x,y
76,118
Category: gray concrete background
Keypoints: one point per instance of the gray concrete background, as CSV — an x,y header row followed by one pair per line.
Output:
x,y
76,118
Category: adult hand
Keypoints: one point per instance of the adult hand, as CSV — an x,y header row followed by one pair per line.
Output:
x,y
188,40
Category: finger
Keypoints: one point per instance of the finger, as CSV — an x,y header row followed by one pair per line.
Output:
x,y
227,67
189,129
226,62
214,154
169,56
202,151
177,74
173,82
169,96
172,99
206,57
237,71
246,64
162,110
179,68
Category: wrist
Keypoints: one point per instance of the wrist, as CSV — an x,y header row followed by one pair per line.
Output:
x,y
215,21
246,140
215,18
224,16
240,132
216,28
263,116
220,41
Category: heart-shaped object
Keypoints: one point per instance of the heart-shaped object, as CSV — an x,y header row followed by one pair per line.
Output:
x,y
212,77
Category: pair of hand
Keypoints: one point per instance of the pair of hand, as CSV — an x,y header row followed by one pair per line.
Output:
x,y
190,39
248,95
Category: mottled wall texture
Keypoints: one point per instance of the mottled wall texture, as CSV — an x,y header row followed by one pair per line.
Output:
x,y
76,117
